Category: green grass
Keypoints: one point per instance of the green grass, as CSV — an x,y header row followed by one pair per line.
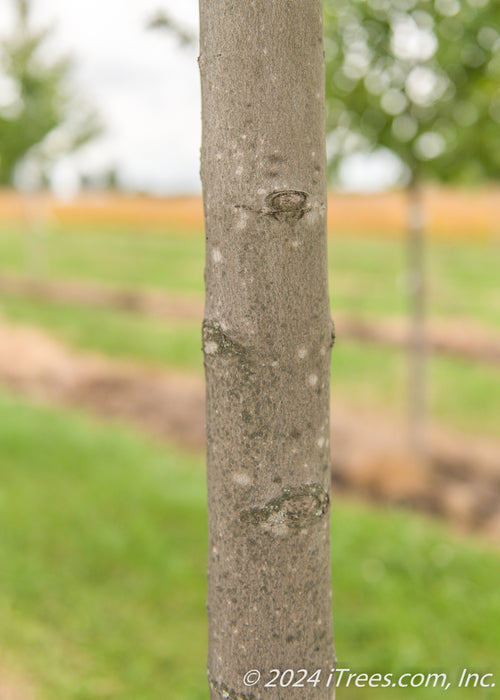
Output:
x,y
120,334
102,576
464,281
464,395
367,277
366,273
139,258
103,559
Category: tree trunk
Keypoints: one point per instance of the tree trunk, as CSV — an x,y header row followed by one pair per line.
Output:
x,y
418,350
267,337
35,235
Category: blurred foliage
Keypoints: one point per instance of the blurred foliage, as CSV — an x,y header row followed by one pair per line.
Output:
x,y
419,78
162,20
40,118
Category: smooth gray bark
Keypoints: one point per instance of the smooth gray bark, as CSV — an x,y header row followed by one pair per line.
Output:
x,y
267,337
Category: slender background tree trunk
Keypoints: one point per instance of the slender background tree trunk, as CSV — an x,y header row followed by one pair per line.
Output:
x,y
418,350
267,337
35,235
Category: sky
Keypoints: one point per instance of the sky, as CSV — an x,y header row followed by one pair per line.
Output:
x,y
143,85
146,90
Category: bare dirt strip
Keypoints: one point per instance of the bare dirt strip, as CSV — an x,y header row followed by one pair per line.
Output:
x,y
14,687
461,483
459,338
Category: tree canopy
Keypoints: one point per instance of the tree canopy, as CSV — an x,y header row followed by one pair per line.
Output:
x,y
419,78
40,117
166,22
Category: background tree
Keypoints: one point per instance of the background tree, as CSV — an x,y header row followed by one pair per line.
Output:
x,y
40,118
267,336
169,24
419,79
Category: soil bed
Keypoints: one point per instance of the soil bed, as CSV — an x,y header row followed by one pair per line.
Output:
x,y
461,483
463,338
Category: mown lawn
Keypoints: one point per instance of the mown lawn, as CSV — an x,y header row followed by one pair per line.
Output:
x,y
367,274
464,395
171,261
116,333
102,576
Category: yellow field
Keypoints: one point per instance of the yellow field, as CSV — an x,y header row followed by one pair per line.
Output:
x,y
463,213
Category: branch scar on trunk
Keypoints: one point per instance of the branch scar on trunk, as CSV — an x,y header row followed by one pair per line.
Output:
x,y
216,341
295,507
224,692
283,205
